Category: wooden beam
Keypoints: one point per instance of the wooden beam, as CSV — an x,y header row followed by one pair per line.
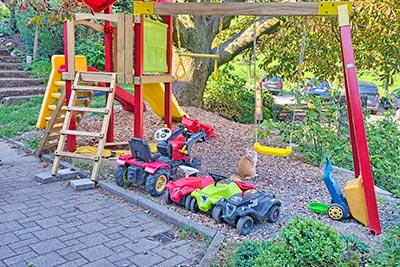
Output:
x,y
70,75
128,66
236,9
121,49
109,17
146,79
97,27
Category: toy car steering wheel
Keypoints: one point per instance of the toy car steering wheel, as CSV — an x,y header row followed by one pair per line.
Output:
x,y
162,134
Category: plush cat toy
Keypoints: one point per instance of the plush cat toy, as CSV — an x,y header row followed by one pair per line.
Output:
x,y
247,166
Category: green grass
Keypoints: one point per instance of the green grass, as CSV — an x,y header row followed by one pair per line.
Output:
x,y
17,119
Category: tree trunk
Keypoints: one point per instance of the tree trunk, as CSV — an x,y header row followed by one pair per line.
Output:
x,y
13,20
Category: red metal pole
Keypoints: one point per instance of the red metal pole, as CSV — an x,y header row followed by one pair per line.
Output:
x,y
350,117
71,139
138,88
108,67
358,131
168,86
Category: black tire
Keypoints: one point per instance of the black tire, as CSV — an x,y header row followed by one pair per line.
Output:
x,y
167,197
336,212
274,213
217,213
244,225
188,199
121,176
155,183
193,205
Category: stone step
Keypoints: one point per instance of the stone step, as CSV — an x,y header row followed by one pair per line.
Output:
x,y
22,91
14,74
4,52
16,100
19,82
10,59
11,66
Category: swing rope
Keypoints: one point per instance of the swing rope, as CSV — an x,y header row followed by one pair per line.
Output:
x,y
258,99
299,73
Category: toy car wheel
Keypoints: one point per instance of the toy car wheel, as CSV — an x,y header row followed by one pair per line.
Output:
x,y
336,211
188,199
155,183
193,205
167,197
244,225
121,176
274,213
217,214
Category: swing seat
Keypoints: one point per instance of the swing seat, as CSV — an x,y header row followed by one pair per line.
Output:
x,y
280,152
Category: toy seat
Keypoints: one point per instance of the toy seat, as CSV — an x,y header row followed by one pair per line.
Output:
x,y
217,177
244,186
141,150
165,148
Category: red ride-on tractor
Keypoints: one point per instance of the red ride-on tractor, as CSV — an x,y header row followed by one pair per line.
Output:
x,y
154,170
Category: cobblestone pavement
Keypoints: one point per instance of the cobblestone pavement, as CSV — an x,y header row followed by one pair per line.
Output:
x,y
53,225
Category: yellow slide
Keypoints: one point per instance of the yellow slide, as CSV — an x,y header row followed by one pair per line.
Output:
x,y
154,94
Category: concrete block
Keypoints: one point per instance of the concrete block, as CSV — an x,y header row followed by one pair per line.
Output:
x,y
82,184
67,174
46,178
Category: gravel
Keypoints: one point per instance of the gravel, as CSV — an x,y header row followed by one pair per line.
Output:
x,y
295,183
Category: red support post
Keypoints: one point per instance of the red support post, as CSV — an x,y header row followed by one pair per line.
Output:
x,y
168,86
108,42
359,139
138,88
71,139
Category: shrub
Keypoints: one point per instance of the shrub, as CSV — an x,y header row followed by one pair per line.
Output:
x,y
40,68
230,98
324,132
4,18
92,46
384,149
303,242
390,255
246,253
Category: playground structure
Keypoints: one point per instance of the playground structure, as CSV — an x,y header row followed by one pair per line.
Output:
x,y
124,58
361,161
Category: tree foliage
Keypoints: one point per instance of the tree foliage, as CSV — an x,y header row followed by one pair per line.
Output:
x,y
374,24
375,29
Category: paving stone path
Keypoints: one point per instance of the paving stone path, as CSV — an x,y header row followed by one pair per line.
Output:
x,y
53,225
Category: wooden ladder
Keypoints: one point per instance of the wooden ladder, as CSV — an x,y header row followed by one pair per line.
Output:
x,y
54,124
79,85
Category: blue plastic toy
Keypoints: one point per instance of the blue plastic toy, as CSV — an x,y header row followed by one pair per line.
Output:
x,y
339,207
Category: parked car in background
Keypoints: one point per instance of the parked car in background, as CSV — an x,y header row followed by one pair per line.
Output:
x,y
321,89
394,97
274,84
370,91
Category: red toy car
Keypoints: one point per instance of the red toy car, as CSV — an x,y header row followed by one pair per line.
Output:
x,y
154,170
179,191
